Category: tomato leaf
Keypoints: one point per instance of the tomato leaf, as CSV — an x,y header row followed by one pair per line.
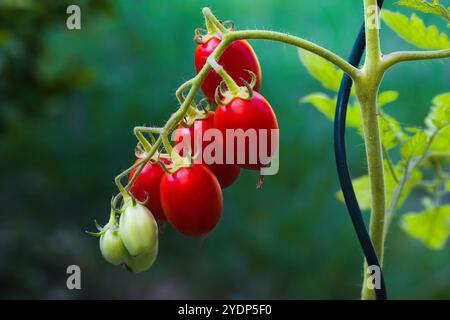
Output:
x,y
414,146
431,226
322,102
441,144
439,115
414,31
321,69
327,106
386,97
426,7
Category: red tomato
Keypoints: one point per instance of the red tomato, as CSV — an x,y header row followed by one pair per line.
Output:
x,y
227,174
192,200
236,59
255,113
146,186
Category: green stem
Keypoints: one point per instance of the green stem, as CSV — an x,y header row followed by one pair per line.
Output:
x,y
212,24
401,56
409,167
376,177
231,84
297,42
371,18
367,87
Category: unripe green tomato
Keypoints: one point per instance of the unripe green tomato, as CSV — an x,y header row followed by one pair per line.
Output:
x,y
141,262
112,247
138,229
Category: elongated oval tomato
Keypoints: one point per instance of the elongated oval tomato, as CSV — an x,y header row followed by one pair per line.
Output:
x,y
146,186
236,59
138,229
112,247
253,129
192,200
194,137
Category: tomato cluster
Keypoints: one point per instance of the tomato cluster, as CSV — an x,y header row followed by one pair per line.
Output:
x,y
189,197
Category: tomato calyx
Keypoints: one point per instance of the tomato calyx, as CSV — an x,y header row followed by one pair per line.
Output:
x,y
112,225
177,162
227,90
214,28
199,112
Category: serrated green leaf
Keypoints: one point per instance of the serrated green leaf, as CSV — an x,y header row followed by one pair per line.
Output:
x,y
439,115
426,7
386,97
414,146
441,144
322,102
327,106
321,69
414,31
431,226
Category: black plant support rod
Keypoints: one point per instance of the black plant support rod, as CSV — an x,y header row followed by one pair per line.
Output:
x,y
342,165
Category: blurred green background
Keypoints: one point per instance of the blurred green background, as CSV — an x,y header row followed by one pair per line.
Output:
x,y
70,99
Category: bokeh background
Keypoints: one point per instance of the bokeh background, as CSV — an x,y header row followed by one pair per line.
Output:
x,y
70,99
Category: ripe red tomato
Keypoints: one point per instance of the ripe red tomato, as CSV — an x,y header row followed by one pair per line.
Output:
x,y
236,59
255,113
146,186
192,200
227,174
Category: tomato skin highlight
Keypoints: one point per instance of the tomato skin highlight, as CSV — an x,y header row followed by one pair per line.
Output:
x,y
255,113
227,174
236,59
192,200
146,187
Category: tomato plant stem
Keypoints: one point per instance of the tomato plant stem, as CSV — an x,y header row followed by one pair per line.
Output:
x,y
367,87
297,42
374,155
394,58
